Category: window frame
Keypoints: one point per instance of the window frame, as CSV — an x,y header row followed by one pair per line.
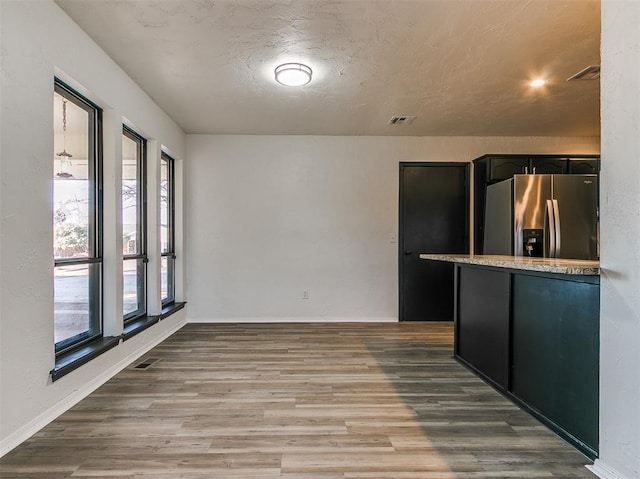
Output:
x,y
95,223
140,256
170,254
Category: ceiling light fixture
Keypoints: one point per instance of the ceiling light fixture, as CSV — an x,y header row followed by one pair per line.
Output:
x,y
64,155
537,83
293,74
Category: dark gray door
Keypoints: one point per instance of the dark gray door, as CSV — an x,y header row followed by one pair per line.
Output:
x,y
434,218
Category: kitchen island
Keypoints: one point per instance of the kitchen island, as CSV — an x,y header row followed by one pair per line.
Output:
x,y
530,327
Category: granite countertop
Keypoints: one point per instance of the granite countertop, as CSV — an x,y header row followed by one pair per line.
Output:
x,y
545,265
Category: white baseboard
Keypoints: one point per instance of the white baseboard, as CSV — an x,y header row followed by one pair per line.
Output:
x,y
79,394
302,319
604,471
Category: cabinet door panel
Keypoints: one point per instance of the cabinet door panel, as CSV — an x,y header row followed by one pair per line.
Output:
x,y
504,168
555,328
586,166
548,166
482,327
479,192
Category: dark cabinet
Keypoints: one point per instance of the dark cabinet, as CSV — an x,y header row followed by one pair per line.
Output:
x,y
482,322
535,337
584,166
548,166
504,168
555,352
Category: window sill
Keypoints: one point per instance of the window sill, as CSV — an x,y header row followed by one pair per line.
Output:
x,y
171,308
71,361
140,324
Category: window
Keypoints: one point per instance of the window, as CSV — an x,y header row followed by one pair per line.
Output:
x,y
134,244
167,228
77,219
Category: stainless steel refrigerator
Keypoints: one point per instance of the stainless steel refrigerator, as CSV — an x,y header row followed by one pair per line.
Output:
x,y
553,216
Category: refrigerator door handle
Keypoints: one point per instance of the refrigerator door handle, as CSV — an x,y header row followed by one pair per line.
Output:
x,y
551,230
556,215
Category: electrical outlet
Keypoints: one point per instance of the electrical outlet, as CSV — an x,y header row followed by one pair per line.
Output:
x,y
305,294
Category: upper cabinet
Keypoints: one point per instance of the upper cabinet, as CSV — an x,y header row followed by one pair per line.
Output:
x,y
584,166
503,167
543,165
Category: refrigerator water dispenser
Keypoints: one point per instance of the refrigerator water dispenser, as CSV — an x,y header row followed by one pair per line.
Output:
x,y
533,242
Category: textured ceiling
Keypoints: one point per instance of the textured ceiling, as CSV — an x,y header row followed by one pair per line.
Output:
x,y
462,67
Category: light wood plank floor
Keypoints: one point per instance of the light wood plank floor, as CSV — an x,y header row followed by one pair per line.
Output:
x,y
303,401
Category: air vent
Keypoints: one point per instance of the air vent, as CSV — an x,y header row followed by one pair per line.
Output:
x,y
401,120
592,72
145,364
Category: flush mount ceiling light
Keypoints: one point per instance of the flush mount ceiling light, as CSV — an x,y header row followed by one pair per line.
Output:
x,y
537,83
293,74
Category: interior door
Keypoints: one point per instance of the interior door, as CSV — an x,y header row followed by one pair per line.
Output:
x,y
434,218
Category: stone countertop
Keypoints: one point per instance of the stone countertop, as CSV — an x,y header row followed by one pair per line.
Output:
x,y
544,265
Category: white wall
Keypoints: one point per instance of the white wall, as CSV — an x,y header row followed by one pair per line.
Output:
x,y
37,41
272,216
620,242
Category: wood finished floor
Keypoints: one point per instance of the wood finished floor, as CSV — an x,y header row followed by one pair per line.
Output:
x,y
303,401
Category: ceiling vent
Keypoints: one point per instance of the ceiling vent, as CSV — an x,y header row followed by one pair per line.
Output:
x,y
592,72
401,120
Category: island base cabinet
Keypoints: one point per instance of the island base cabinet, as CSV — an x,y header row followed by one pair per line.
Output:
x,y
555,334
482,322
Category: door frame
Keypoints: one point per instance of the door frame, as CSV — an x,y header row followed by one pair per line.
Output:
x,y
401,165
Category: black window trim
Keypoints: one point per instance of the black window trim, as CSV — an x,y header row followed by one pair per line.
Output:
x,y
171,253
69,345
84,349
141,145
82,355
